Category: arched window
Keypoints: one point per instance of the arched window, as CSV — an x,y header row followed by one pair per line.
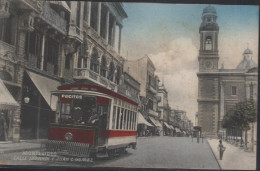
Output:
x,y
103,68
208,43
94,61
110,75
118,75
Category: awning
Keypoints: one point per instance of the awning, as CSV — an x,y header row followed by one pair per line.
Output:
x,y
171,127
63,4
165,123
142,120
155,122
7,101
177,130
45,86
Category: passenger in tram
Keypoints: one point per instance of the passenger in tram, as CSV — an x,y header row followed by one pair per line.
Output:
x,y
93,118
77,115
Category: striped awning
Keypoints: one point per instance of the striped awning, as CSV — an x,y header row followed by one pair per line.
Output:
x,y
177,130
155,122
142,120
45,86
168,126
171,127
7,102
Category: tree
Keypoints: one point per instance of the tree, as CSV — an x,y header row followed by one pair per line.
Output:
x,y
241,115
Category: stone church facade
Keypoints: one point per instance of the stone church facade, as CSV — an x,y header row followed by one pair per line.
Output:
x,y
219,89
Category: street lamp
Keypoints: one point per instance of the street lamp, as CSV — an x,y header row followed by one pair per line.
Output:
x,y
26,100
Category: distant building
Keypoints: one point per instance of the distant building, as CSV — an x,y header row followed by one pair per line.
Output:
x,y
220,89
164,109
143,70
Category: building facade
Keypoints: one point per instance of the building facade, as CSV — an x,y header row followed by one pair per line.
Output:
x,y
44,44
143,70
219,88
164,110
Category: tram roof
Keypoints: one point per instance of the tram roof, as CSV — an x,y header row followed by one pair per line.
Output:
x,y
81,88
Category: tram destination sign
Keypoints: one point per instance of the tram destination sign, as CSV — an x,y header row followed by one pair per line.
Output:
x,y
71,96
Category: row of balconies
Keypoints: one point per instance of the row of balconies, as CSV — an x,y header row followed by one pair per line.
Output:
x,y
54,19
85,73
35,63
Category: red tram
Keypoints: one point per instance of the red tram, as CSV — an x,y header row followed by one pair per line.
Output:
x,y
92,120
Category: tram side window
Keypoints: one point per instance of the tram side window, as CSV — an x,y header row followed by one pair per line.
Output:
x,y
121,118
103,114
114,118
131,120
124,119
134,120
65,112
117,118
127,124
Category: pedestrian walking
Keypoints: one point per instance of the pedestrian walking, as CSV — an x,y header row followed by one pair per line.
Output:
x,y
3,128
221,149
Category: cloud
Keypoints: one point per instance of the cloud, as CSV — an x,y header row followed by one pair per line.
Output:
x,y
177,67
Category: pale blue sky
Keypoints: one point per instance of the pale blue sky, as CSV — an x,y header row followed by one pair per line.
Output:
x,y
152,25
169,34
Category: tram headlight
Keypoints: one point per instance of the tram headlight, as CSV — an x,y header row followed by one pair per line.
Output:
x,y
68,136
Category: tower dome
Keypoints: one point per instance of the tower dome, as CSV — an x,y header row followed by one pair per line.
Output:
x,y
247,62
209,9
248,51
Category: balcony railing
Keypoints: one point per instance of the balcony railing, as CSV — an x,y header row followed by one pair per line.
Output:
x,y
84,73
50,68
7,50
101,41
54,19
34,4
33,61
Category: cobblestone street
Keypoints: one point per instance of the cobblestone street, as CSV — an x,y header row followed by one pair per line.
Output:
x,y
151,152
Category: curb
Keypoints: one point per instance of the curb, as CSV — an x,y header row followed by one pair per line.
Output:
x,y
214,155
18,150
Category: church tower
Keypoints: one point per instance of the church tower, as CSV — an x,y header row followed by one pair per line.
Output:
x,y
208,54
208,88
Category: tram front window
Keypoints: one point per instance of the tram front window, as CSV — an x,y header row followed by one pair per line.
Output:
x,y
79,111
84,111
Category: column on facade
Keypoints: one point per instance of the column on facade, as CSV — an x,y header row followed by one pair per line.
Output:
x,y
114,75
247,90
107,25
43,46
88,59
99,64
114,33
89,12
119,40
99,17
81,15
222,99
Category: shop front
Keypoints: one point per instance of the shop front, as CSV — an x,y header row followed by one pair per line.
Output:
x,y
8,106
158,128
37,107
143,126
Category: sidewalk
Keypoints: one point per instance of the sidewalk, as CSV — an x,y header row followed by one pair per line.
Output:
x,y
23,145
234,158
